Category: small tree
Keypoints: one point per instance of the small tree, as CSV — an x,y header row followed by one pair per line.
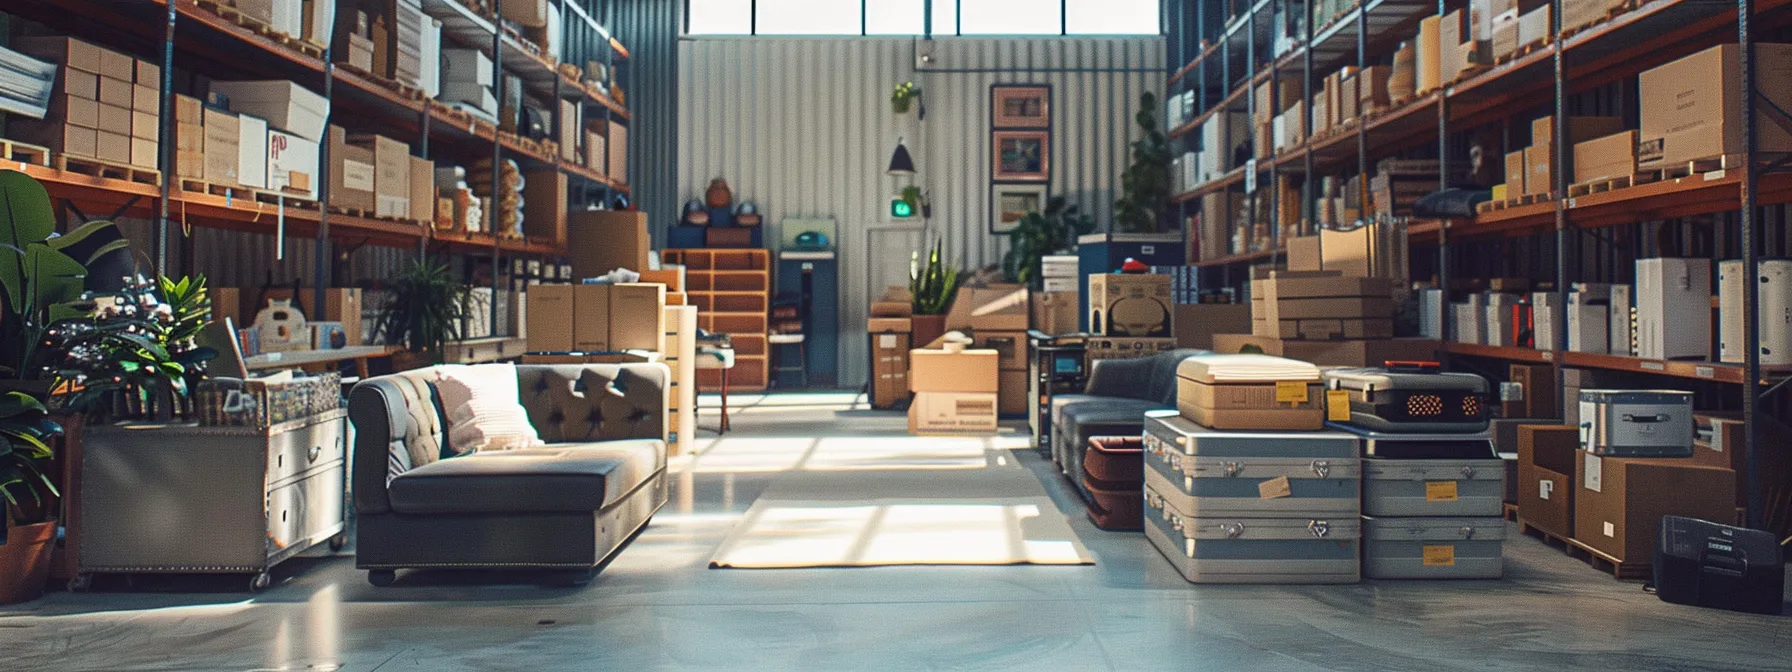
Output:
x,y
1145,186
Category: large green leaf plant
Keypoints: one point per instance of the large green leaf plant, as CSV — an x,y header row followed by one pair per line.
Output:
x,y
1146,183
1040,234
934,285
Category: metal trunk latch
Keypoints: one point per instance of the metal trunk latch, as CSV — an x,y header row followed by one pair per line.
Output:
x,y
1319,528
1468,532
1230,468
1468,472
1323,468
1232,530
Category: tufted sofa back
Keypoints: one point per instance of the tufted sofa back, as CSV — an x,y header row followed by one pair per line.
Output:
x,y
400,424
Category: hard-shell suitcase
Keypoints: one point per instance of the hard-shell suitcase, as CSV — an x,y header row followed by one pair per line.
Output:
x,y
1413,397
1459,488
1254,550
1116,509
1208,472
1447,446
1433,548
1116,459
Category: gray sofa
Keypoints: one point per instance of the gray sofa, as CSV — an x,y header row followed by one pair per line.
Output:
x,y
1113,403
564,507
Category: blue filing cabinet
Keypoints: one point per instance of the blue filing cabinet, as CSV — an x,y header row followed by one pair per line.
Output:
x,y
1104,252
815,276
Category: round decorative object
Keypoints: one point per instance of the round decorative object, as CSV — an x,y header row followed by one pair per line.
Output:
x,y
719,196
746,208
695,214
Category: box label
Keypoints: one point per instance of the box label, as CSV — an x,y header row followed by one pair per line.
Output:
x,y
1611,530
1337,406
1593,478
1275,488
1440,491
1439,556
886,341
1544,488
357,175
1291,392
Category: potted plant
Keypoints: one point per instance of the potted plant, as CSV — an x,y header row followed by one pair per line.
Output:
x,y
1146,183
903,97
1039,234
933,288
136,354
28,530
424,310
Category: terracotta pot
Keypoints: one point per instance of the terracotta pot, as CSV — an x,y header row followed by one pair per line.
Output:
x,y
25,562
925,328
718,196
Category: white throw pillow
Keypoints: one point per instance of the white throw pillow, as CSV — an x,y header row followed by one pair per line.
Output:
x,y
484,410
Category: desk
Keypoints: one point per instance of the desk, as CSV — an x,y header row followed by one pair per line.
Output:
x,y
311,360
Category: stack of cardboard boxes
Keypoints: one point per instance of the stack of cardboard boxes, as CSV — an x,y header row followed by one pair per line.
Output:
x,y
1321,306
1056,308
956,392
999,321
105,105
596,318
1130,315
468,80
1531,171
890,327
255,134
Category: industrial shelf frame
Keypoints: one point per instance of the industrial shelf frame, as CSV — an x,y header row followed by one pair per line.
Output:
x,y
1496,94
543,77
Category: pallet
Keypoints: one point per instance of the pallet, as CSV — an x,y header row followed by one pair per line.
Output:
x,y
1622,571
1609,184
106,169
270,196
1526,199
1521,52
1697,167
227,10
1512,512
19,152
1611,13
408,92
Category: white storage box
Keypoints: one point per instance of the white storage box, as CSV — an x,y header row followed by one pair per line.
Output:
x,y
1673,308
285,105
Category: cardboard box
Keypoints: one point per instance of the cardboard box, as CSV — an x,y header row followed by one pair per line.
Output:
x,y
1287,406
1505,35
570,131
116,93
1325,329
607,240
1428,62
590,318
1196,323
422,182
889,366
1690,108
1130,305
550,318
637,316
888,308
1580,129
391,173
1011,395
1619,501
1546,458
1727,449
146,98
1533,26
285,105
964,371
1515,174
341,304
1532,392
889,325
352,173
293,164
1538,180
1056,312
617,143
1334,308
77,84
670,275
112,118
62,50
1578,13
1605,158
1000,308
145,153
252,152
1303,253
1355,253
188,110
1010,347
597,153
145,125
1374,352
1372,88
467,66
59,137
113,147
953,413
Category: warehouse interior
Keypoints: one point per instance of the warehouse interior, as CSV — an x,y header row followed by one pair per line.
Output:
x,y
895,334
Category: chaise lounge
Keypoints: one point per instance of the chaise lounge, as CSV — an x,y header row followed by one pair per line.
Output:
x,y
565,507
1113,403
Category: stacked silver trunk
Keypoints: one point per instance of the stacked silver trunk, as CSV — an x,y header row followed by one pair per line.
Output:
x,y
1253,507
1432,506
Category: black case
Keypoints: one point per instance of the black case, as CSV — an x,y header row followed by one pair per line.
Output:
x,y
1413,398
1706,564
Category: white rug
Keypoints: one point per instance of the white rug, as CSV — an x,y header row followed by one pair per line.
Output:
x,y
865,502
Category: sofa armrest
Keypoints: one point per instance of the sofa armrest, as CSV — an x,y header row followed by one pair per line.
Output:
x,y
1125,378
397,426
596,402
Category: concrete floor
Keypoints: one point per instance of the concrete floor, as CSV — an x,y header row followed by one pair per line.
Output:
x,y
658,607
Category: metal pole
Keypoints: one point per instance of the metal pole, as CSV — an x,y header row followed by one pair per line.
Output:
x,y
497,161
320,266
1559,154
1308,214
1448,317
1751,261
1362,125
165,149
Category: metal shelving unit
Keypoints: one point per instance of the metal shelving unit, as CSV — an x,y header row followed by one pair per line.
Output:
x,y
1565,76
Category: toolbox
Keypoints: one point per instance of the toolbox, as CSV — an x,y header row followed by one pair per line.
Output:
x,y
1455,488
1413,397
1636,423
1434,548
1254,550
1208,472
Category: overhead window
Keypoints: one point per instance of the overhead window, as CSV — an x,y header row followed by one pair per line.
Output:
x,y
1010,17
896,17
909,17
808,17
1111,17
719,17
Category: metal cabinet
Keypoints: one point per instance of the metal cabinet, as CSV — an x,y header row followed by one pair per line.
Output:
x,y
188,499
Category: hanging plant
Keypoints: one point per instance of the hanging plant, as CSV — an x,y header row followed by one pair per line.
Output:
x,y
904,96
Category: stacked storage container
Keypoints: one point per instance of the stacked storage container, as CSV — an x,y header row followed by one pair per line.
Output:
x,y
1244,486
1433,487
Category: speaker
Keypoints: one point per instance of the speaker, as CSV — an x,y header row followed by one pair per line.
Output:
x,y
1705,564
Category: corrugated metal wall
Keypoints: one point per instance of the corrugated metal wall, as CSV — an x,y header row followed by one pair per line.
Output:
x,y
803,128
237,259
650,29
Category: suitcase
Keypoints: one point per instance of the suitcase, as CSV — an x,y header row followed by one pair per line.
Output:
x,y
1413,398
1636,423
1458,488
1433,548
1207,472
1254,550
1421,446
1117,509
1113,475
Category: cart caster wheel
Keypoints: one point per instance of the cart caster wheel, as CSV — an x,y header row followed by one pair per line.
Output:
x,y
338,542
380,578
81,583
260,582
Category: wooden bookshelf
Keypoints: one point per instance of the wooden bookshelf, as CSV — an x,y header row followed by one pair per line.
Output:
x,y
731,289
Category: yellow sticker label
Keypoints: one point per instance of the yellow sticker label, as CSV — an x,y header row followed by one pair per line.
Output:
x,y
1337,406
1440,491
1275,488
1291,392
1439,556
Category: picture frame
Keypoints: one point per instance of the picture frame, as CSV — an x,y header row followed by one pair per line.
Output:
x,y
1020,106
1020,156
1008,203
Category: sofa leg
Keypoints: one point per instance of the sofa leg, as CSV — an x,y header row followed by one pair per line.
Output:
x,y
381,578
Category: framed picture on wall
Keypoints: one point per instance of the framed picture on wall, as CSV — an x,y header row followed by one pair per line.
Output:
x,y
1021,156
1020,106
1008,203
